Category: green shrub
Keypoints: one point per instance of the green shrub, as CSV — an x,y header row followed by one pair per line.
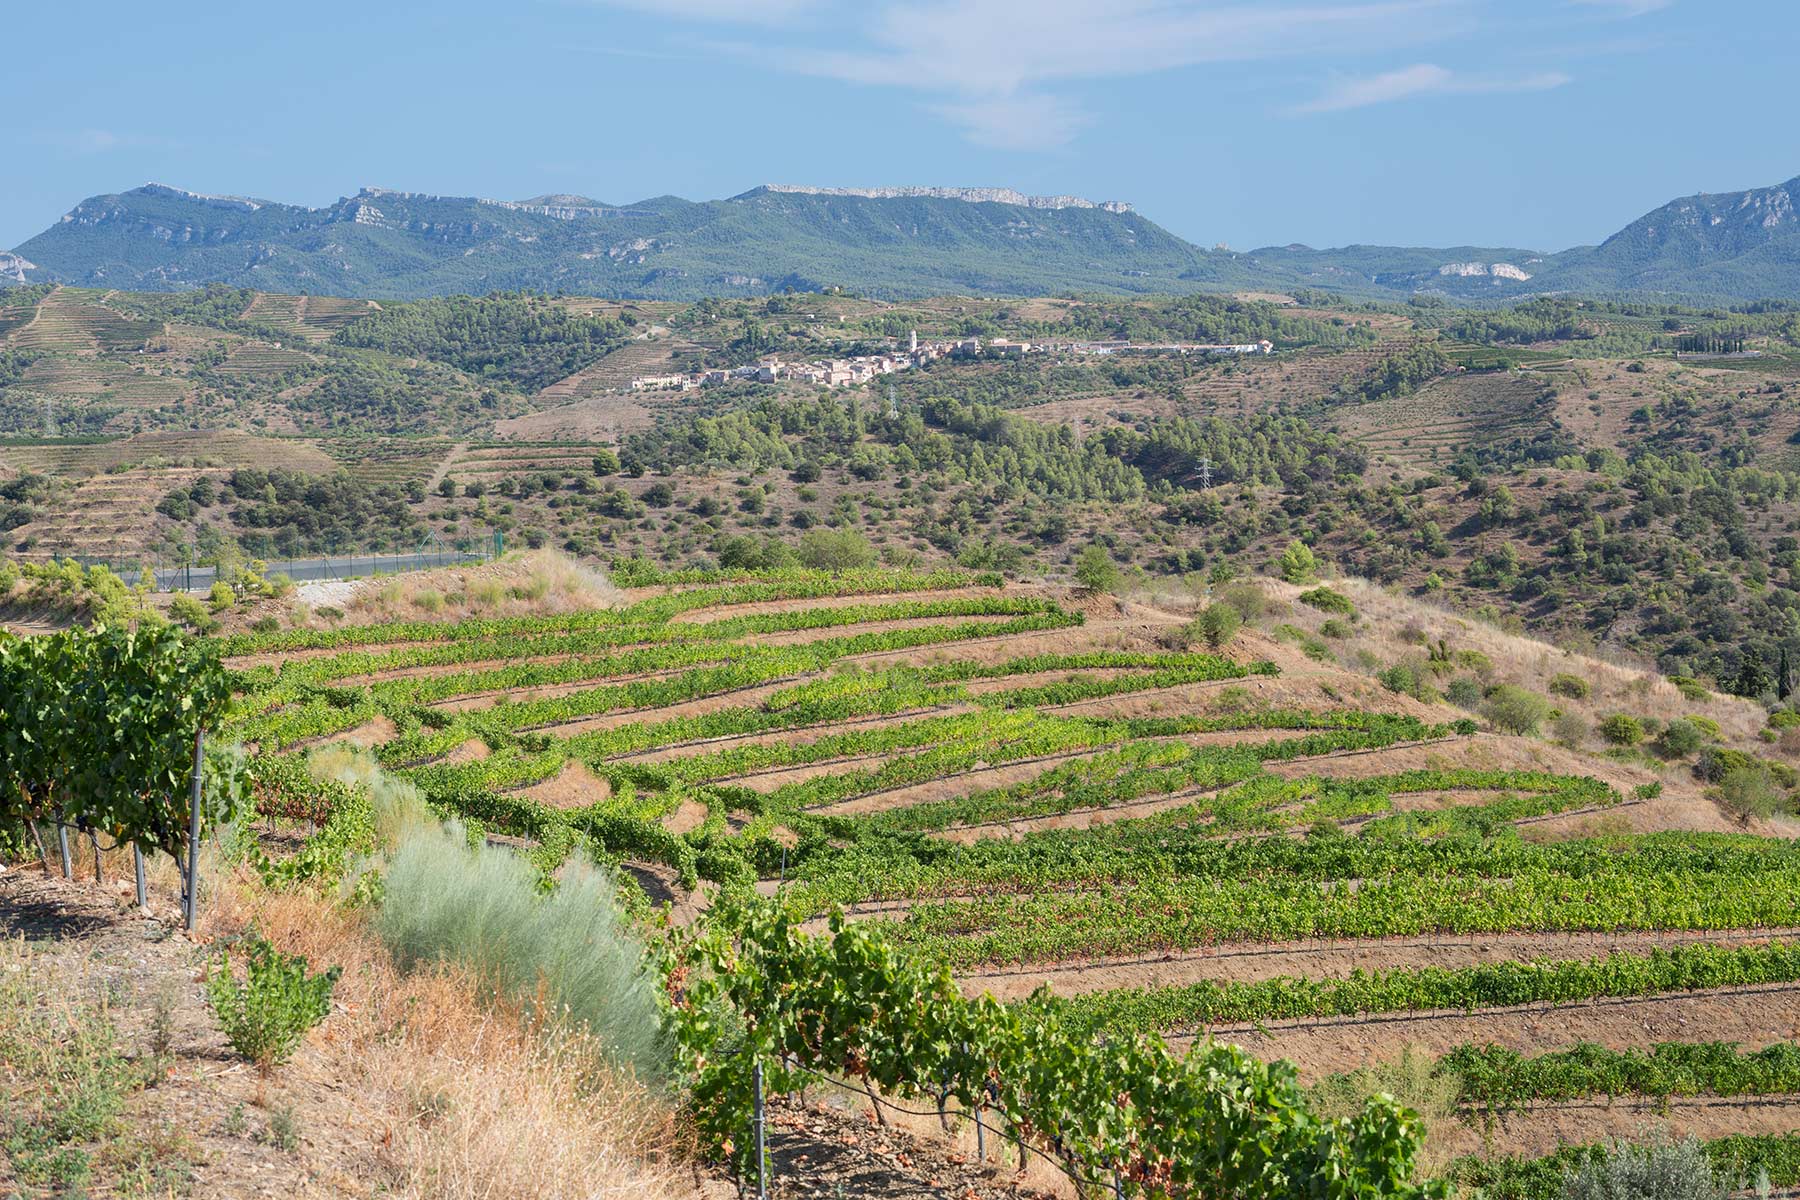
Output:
x,y
1705,725
1463,692
192,613
1179,637
1571,729
265,1017
1334,628
1298,563
1409,680
1095,569
1326,600
1716,762
1782,718
221,597
265,625
567,955
1679,738
836,550
1309,645
1474,660
1657,1170
1622,729
1235,699
284,1129
1690,688
1218,624
1246,597
1399,678
1512,709
1572,687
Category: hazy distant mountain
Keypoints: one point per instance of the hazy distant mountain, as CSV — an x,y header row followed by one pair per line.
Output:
x,y
399,244
887,242
1728,244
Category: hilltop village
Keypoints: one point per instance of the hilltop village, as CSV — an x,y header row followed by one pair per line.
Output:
x,y
846,372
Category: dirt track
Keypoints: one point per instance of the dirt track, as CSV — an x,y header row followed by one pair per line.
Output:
x,y
1334,958
1752,1017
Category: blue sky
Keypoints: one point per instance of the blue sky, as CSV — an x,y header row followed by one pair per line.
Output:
x,y
1533,123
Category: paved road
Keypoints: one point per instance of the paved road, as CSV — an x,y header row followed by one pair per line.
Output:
x,y
200,579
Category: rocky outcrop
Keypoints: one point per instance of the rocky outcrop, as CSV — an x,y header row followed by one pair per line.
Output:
x,y
1499,270
974,195
562,208
13,268
234,203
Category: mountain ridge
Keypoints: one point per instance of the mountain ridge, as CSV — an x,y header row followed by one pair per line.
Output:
x,y
887,242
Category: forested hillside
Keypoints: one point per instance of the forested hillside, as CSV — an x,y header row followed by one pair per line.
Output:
x,y
1612,474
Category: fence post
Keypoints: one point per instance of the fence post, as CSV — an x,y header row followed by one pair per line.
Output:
x,y
137,866
980,1131
761,1117
62,845
94,841
192,914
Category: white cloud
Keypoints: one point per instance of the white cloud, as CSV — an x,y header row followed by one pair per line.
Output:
x,y
1002,71
94,141
989,64
1421,79
102,141
1000,46
1016,120
1626,8
742,12
1378,89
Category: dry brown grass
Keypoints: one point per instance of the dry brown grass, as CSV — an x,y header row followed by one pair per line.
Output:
x,y
462,1100
540,582
1616,684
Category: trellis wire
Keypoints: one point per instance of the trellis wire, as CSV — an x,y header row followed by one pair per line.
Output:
x,y
981,1127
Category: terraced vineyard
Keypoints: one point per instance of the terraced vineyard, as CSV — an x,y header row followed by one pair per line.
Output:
x,y
1029,788
490,463
1432,425
99,381
386,460
75,321
1254,385
257,360
210,448
314,318
109,517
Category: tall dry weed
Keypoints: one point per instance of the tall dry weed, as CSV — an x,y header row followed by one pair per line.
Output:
x,y
463,1099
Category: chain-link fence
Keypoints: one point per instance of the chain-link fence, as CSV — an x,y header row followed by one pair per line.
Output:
x,y
174,576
